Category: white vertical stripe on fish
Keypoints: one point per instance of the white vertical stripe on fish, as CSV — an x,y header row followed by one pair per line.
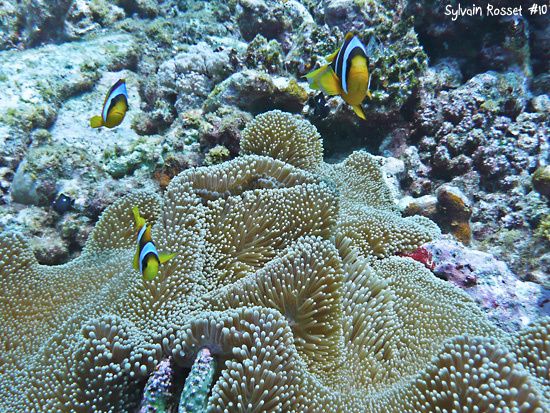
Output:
x,y
148,248
141,232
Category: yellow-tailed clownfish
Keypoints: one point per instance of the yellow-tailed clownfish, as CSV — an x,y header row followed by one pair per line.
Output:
x,y
347,74
114,107
147,259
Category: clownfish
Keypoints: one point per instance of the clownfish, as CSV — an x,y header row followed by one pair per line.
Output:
x,y
114,107
347,74
147,259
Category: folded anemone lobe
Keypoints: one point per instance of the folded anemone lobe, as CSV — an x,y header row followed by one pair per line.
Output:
x,y
289,279
284,136
368,214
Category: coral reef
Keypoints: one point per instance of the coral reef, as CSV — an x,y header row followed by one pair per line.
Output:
x,y
485,139
196,71
306,282
510,303
278,285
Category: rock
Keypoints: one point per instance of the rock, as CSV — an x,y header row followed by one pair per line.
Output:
x,y
10,25
223,128
541,104
257,92
540,36
541,180
425,205
485,138
509,302
453,203
143,8
173,165
183,82
50,249
393,170
74,229
265,17
79,20
216,155
543,231
341,13
44,20
25,189
264,54
454,212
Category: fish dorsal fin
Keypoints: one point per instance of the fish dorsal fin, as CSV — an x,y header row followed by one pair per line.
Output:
x,y
117,84
330,58
111,89
138,219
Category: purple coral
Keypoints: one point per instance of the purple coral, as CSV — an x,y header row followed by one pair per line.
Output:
x,y
159,389
509,302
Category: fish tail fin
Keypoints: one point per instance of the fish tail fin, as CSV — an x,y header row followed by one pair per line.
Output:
x,y
330,58
369,95
324,79
166,257
96,122
359,111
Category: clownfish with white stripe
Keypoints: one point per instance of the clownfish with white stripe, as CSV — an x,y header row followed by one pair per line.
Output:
x,y
147,259
346,74
114,107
